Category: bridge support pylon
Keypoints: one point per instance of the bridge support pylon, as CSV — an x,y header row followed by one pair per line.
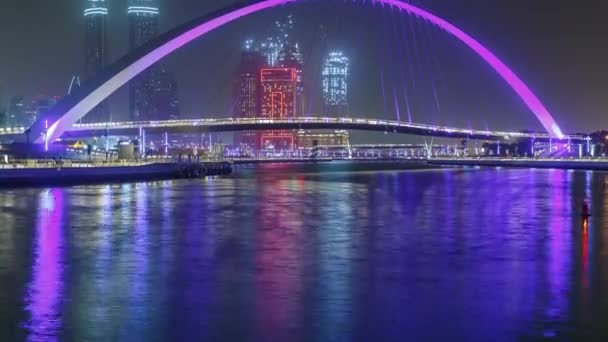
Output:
x,y
429,148
166,144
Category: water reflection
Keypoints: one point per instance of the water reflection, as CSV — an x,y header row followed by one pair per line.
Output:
x,y
337,235
44,294
278,263
102,262
560,246
291,253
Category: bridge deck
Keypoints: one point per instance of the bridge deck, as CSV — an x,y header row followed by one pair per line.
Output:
x,y
312,123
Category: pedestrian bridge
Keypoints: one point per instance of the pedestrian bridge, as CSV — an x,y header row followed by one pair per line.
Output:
x,y
307,123
133,128
53,124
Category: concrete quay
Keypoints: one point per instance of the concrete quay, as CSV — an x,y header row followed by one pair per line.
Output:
x,y
44,172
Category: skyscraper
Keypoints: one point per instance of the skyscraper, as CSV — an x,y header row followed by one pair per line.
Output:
x,y
271,84
291,57
166,101
143,26
278,86
281,50
40,106
96,42
248,91
15,116
335,85
281,35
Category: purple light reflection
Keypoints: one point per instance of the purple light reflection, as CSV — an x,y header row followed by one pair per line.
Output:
x,y
140,258
44,295
559,248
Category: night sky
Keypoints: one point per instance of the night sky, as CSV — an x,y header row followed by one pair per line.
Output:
x,y
558,47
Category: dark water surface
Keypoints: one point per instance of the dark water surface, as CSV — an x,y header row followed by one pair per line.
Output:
x,y
292,253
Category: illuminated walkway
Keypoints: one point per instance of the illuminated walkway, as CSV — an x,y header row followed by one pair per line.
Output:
x,y
231,125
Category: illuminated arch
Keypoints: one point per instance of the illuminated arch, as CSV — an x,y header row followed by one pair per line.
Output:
x,y
74,107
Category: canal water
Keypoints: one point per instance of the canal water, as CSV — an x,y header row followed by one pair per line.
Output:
x,y
284,252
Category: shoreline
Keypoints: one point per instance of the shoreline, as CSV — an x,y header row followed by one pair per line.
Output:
x,y
562,164
84,174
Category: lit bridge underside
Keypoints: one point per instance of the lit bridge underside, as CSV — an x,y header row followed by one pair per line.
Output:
x,y
307,123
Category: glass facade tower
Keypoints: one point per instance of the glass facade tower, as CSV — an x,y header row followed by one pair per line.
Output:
x,y
143,26
248,91
335,85
96,43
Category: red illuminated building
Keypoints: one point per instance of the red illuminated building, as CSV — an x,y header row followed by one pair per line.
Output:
x,y
278,101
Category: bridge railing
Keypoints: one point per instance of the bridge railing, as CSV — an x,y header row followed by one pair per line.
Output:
x,y
388,125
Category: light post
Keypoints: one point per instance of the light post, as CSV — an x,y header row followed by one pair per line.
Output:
x,y
27,139
107,133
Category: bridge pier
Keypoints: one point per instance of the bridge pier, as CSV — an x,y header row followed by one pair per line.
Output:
x,y
166,144
532,147
142,142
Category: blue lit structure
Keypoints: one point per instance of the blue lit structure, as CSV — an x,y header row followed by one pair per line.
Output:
x,y
96,44
335,85
272,46
291,57
280,50
143,27
249,90
16,116
166,100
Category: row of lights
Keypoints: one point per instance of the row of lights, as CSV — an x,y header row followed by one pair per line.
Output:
x,y
506,135
142,10
13,129
130,10
96,10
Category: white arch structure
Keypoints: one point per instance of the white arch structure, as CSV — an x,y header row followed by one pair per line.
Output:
x,y
72,108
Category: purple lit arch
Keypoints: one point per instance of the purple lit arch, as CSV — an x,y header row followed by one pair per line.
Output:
x,y
74,107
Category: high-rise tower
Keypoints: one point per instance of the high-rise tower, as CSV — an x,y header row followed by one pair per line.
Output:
x,y
248,91
166,101
281,50
291,57
16,113
143,26
96,43
278,96
335,85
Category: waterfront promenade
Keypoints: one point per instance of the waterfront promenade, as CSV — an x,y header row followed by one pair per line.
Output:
x,y
72,172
